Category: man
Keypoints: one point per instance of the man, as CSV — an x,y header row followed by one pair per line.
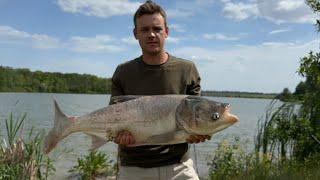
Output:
x,y
155,72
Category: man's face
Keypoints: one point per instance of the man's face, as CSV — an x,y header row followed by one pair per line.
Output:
x,y
151,32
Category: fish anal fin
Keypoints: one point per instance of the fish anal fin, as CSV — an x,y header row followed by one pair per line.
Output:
x,y
97,142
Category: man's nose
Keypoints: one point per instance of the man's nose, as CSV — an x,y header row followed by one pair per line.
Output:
x,y
152,34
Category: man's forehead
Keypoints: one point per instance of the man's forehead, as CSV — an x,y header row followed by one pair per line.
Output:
x,y
150,20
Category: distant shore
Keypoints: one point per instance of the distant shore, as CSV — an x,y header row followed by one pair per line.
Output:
x,y
239,94
23,80
203,93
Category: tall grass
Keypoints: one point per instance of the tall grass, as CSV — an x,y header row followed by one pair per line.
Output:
x,y
233,160
22,158
282,138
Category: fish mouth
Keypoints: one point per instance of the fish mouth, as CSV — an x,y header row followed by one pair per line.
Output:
x,y
230,118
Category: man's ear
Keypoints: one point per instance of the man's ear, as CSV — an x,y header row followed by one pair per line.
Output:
x,y
167,31
135,32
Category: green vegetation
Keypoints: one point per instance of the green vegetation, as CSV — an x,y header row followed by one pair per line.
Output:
x,y
23,80
94,165
233,160
287,144
20,158
309,68
239,94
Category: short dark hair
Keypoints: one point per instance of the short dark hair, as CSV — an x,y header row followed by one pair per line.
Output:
x,y
149,7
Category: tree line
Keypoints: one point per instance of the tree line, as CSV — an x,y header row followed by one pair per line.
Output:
x,y
24,80
239,94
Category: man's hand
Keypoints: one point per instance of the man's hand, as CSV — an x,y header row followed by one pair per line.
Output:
x,y
198,138
124,138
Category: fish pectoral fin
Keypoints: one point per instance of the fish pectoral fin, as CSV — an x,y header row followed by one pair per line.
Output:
x,y
168,138
97,142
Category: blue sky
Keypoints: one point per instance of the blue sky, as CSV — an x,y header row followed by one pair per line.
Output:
x,y
237,45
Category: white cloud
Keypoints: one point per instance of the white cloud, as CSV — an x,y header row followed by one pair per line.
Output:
x,y
9,32
204,2
239,11
268,67
219,36
289,5
171,39
179,13
281,11
98,43
102,43
99,8
277,11
130,40
76,65
279,31
185,9
39,41
177,27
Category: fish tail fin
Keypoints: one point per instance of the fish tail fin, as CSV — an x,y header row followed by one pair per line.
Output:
x,y
59,130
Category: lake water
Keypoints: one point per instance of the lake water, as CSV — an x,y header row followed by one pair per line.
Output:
x,y
40,112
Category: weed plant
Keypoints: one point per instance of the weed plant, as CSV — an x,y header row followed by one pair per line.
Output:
x,y
96,164
22,158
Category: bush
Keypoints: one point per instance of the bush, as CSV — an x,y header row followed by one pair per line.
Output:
x,y
93,165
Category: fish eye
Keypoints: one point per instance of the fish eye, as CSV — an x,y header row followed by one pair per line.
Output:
x,y
215,116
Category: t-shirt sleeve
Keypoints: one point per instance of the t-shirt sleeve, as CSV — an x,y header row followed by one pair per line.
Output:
x,y
194,88
116,88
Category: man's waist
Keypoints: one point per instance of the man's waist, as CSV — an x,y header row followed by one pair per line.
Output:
x,y
153,156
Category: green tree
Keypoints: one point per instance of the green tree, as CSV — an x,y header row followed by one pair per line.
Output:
x,y
23,80
310,69
315,5
300,90
285,95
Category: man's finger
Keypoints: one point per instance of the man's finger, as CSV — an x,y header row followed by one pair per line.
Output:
x,y
191,139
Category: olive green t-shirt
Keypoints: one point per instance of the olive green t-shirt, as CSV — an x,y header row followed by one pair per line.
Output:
x,y
175,76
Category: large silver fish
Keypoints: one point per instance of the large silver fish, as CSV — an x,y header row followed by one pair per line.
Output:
x,y
152,120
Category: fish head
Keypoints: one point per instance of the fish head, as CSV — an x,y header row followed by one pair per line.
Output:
x,y
202,116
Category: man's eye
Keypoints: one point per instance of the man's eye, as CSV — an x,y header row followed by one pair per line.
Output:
x,y
144,29
157,29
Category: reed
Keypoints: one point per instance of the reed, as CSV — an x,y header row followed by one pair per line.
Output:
x,y
22,158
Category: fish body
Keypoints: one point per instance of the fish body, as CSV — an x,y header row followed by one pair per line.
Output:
x,y
152,120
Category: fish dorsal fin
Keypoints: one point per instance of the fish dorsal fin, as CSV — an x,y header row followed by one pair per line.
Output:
x,y
120,99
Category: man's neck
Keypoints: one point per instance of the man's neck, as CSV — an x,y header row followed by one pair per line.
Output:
x,y
156,59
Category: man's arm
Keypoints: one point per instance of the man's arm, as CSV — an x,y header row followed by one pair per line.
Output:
x,y
193,87
116,88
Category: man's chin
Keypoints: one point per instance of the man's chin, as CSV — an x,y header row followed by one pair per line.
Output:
x,y
153,52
